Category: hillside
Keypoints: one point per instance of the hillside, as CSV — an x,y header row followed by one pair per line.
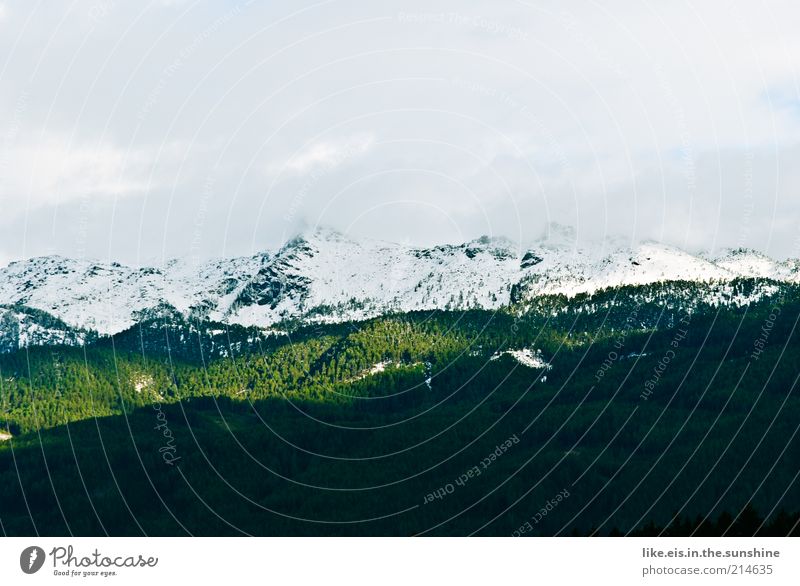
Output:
x,y
353,429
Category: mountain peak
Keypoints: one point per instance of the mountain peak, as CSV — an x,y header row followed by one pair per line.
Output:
x,y
493,243
323,232
319,234
740,252
323,274
559,236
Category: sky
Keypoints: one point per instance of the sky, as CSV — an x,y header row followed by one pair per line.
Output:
x,y
141,131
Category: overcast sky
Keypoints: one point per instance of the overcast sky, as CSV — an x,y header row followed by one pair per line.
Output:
x,y
137,131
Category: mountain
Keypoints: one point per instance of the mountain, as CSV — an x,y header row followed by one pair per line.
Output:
x,y
398,408
110,297
587,364
326,276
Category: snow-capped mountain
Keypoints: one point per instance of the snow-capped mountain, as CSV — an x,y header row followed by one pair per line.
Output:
x,y
327,272
751,263
324,275
109,298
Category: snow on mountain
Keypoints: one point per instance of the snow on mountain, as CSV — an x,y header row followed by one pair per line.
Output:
x,y
326,272
108,298
326,276
526,357
24,327
751,263
614,264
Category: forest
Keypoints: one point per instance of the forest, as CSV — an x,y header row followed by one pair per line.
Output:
x,y
639,417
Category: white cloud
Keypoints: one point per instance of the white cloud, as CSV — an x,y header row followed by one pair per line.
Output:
x,y
420,124
56,172
327,154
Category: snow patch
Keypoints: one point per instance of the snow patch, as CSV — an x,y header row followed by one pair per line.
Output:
x,y
379,367
526,357
142,382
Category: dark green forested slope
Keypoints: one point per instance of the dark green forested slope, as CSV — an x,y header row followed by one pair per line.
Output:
x,y
645,415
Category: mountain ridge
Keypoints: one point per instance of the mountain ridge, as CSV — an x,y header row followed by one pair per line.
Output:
x,y
327,276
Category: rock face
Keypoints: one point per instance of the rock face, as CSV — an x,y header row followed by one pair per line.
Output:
x,y
326,276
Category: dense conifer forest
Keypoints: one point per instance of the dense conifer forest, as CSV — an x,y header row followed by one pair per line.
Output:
x,y
637,417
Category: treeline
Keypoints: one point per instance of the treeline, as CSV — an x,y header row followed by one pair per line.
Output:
x,y
745,523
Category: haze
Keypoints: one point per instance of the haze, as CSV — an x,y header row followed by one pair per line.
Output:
x,y
141,131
